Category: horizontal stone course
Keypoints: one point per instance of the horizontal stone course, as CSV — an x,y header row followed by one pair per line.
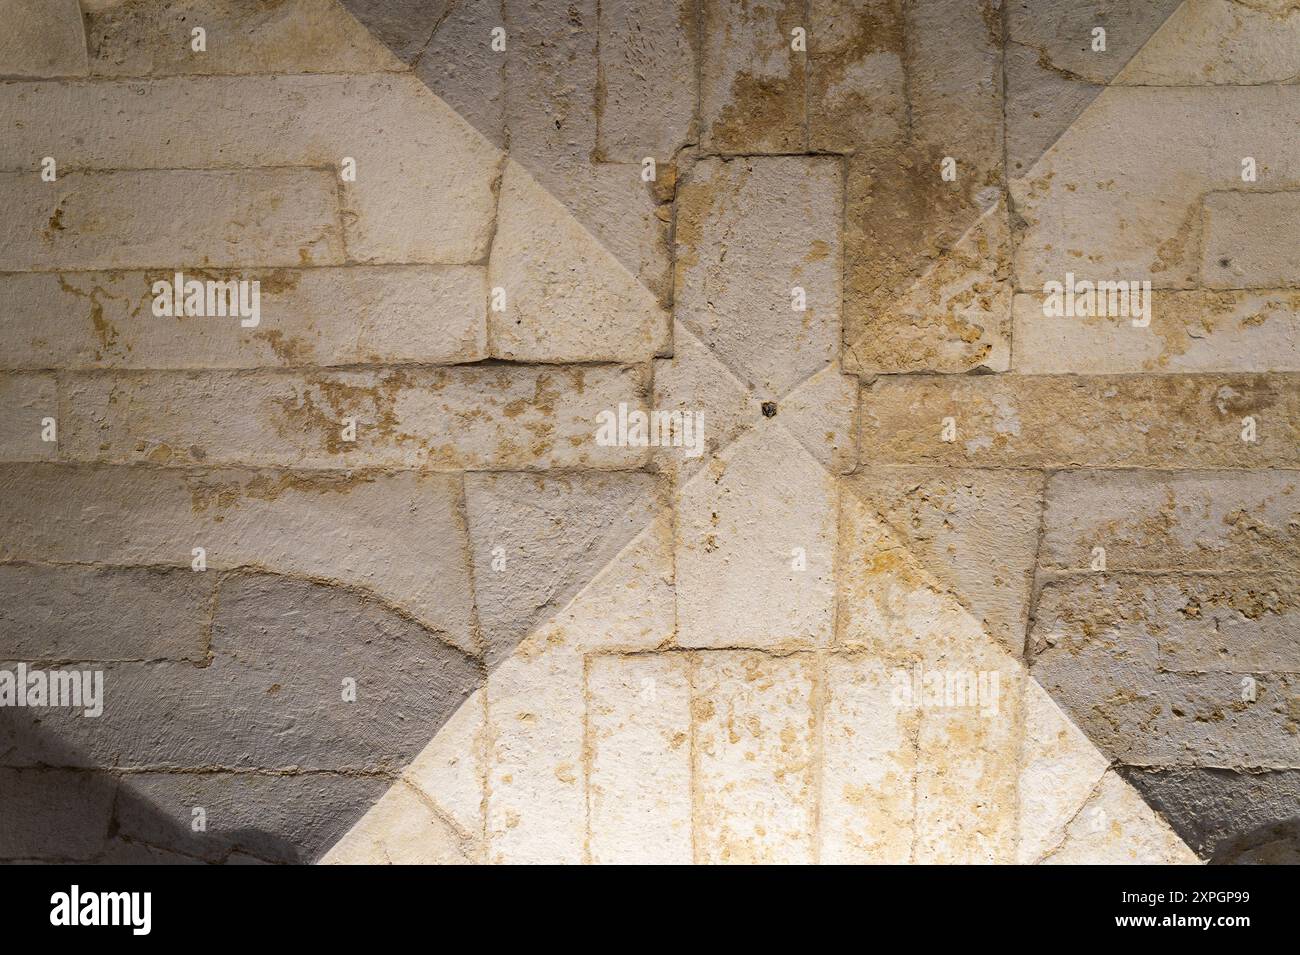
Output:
x,y
399,536
486,417
1249,240
1067,421
61,612
323,316
173,217
30,401
1172,520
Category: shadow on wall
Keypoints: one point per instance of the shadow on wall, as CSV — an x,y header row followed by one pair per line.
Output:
x,y
251,751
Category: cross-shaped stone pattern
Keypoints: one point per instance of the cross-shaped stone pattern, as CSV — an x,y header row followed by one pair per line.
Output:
x,y
625,653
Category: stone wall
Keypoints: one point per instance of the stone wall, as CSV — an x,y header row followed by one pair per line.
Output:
x,y
828,228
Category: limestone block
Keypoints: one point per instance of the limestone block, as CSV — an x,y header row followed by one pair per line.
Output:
x,y
72,612
1096,421
459,64
169,218
318,317
639,790
752,84
1250,239
152,37
54,807
521,417
1116,827
856,85
400,829
750,231
762,510
1190,331
42,38
868,766
1173,520
30,401
755,771
449,771
399,536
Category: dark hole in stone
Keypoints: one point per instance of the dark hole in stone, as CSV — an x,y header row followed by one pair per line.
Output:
x,y
769,409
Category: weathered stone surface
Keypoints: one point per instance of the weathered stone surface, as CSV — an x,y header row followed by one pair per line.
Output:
x,y
956,317
762,510
821,413
399,535
856,84
522,417
1173,520
538,539
266,818
165,218
536,786
974,531
749,231
401,829
42,38
755,773
1041,104
1064,421
1190,331
551,79
147,37
1059,770
417,163
639,789
449,771
324,316
1116,827
1225,816
458,64
567,297
891,606
272,696
1100,662
868,766
29,400
54,814
80,613
1059,32
404,26
647,86
967,757
1248,240
1208,42
752,84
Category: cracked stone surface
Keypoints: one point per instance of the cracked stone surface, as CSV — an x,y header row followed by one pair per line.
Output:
x,y
655,443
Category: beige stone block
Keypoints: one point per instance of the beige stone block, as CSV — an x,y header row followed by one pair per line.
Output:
x,y
316,317
856,83
868,766
536,787
42,38
749,232
763,510
890,605
956,317
424,177
646,98
401,829
752,84
1190,331
1059,771
1179,520
821,414
518,418
399,535
1250,240
639,784
1211,42
975,532
449,772
170,218
967,759
755,771
1066,421
567,297
28,401
1116,827
152,37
